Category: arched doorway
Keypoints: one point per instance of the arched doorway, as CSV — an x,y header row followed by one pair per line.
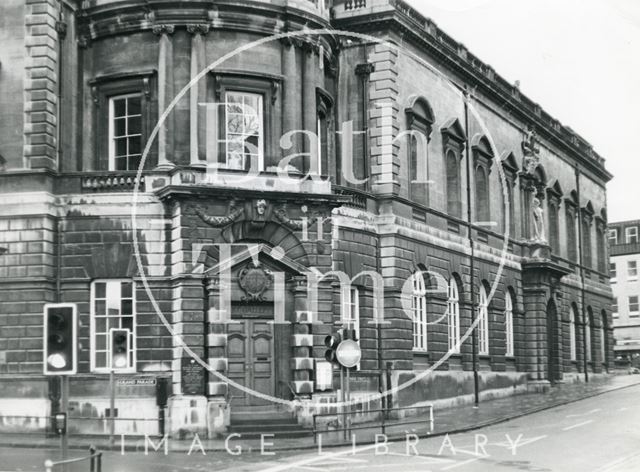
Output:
x,y
554,372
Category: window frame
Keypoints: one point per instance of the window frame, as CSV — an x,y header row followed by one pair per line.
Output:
x,y
631,303
351,307
92,327
615,309
573,341
483,323
508,321
632,270
419,312
628,234
111,130
453,316
261,137
612,240
112,85
587,336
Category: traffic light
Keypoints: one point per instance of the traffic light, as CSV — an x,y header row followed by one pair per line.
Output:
x,y
60,339
120,349
332,342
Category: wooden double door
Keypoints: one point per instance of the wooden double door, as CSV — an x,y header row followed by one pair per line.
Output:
x,y
250,351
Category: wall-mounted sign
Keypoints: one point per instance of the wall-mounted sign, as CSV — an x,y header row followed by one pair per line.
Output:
x,y
138,382
193,377
324,375
348,353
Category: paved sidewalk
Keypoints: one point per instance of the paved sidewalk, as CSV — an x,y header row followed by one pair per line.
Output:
x,y
447,421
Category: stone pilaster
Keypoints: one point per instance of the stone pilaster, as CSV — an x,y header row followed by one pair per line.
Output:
x,y
302,362
383,120
165,91
197,94
41,83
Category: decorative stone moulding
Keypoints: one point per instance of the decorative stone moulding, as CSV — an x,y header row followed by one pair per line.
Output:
x,y
215,389
219,364
302,340
302,363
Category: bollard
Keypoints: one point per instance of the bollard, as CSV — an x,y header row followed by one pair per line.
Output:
x,y
48,465
92,459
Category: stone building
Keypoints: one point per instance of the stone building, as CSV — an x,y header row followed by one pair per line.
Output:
x,y
419,163
624,256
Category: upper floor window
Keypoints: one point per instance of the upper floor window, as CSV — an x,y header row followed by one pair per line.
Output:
x,y
244,131
631,234
419,121
483,322
632,269
508,324
112,307
453,140
482,162
633,305
419,309
613,270
125,132
614,306
453,315
613,236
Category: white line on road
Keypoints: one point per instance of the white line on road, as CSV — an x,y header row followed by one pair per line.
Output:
x,y
613,465
453,466
313,459
577,425
584,414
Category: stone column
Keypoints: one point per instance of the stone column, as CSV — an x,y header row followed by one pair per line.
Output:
x,y
165,92
291,94
197,94
302,363
309,112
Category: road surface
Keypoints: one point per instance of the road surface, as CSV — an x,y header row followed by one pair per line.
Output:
x,y
599,434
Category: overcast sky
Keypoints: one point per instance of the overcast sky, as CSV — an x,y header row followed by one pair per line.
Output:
x,y
579,59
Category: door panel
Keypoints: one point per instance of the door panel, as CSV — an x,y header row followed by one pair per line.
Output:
x,y
250,353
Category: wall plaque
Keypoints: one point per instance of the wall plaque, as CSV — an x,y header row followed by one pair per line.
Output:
x,y
193,377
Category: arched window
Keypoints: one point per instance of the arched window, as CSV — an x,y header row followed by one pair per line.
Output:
x,y
554,196
573,316
508,324
571,208
482,195
454,202
419,309
587,219
419,121
453,142
483,322
603,338
482,162
453,315
351,312
588,333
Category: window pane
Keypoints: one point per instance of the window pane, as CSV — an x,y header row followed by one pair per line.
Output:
x,y
134,106
100,290
101,325
101,342
126,289
101,359
135,125
119,127
121,146
121,163
101,307
119,107
127,323
134,163
126,307
134,145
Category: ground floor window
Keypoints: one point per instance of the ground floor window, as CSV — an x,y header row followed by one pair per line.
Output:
x,y
112,307
483,323
419,312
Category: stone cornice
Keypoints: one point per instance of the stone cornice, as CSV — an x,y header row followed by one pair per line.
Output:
x,y
406,22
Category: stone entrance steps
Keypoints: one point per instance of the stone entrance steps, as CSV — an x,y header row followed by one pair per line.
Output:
x,y
251,422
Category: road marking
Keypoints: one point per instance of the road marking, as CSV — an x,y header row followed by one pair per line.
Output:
x,y
316,458
584,414
577,425
521,443
624,408
613,465
453,466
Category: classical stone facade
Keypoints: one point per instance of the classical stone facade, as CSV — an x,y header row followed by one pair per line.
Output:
x,y
428,169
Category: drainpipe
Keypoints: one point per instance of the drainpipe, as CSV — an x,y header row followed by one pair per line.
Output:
x,y
61,29
582,291
474,333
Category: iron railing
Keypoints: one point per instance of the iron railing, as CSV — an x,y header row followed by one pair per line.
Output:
x,y
94,458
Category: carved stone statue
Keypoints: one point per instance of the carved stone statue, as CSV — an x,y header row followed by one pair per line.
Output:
x,y
531,151
538,222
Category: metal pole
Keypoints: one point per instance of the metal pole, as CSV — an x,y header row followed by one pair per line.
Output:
x,y
64,403
342,401
112,406
474,332
348,407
